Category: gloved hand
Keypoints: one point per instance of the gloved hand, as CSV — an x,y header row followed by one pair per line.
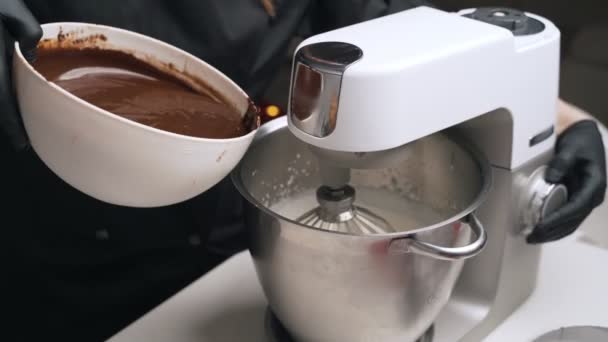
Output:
x,y
16,23
580,164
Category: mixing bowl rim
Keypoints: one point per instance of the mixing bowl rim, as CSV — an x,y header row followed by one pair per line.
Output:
x,y
107,114
281,123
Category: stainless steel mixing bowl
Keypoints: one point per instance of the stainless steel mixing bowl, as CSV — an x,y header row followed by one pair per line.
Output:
x,y
329,286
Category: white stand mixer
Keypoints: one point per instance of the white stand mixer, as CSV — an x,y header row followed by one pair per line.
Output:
x,y
489,73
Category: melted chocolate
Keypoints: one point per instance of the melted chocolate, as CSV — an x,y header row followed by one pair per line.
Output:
x,y
126,86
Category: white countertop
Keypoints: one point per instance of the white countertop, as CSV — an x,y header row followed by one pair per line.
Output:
x,y
228,305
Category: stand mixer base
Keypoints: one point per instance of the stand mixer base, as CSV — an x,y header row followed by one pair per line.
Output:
x,y
277,333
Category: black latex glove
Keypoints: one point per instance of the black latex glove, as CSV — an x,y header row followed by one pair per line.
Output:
x,y
580,164
16,24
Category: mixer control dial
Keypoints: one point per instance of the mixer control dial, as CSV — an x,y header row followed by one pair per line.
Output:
x,y
539,199
512,19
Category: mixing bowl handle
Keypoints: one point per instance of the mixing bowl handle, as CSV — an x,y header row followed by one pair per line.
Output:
x,y
411,244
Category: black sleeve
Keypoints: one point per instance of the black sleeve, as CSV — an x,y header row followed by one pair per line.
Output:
x,y
329,15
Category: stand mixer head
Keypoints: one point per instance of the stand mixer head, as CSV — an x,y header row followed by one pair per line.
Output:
x,y
361,93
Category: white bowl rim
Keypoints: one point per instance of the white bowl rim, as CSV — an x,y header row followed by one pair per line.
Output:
x,y
108,114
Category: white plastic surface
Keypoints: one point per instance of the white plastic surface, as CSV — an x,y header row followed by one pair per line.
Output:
x,y
424,70
114,159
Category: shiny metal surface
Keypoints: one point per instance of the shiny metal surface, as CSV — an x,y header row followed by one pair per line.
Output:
x,y
494,284
539,199
315,87
575,334
330,286
337,212
412,244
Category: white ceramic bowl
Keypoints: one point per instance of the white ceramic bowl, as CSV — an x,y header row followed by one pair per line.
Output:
x,y
114,159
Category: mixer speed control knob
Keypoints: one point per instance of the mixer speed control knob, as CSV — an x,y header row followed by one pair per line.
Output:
x,y
539,199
